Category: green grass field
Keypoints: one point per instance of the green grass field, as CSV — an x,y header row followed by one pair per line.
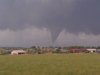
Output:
x,y
51,64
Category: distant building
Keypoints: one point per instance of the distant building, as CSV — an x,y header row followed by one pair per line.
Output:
x,y
91,50
18,52
74,50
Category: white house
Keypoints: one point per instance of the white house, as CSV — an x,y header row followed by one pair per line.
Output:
x,y
91,50
18,52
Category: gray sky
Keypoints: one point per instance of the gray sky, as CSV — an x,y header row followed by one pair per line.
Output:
x,y
35,22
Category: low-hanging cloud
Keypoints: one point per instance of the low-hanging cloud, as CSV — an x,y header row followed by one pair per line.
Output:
x,y
74,16
41,37
25,38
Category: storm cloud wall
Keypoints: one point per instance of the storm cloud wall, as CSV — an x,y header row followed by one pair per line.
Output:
x,y
74,16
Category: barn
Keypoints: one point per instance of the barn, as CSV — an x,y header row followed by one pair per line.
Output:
x,y
91,50
74,50
18,52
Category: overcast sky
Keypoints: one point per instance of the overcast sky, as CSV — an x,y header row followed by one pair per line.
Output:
x,y
49,22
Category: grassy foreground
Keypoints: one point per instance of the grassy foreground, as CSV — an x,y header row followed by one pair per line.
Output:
x,y
51,64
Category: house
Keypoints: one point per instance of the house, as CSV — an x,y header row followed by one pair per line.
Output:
x,y
18,52
91,50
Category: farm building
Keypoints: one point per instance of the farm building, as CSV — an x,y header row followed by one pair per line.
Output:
x,y
91,50
78,50
74,50
18,52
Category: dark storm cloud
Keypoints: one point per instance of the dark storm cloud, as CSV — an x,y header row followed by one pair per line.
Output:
x,y
72,15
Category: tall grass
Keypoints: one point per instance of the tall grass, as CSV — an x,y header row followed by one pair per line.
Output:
x,y
51,64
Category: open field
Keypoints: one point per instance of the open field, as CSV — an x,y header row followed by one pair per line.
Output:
x,y
51,64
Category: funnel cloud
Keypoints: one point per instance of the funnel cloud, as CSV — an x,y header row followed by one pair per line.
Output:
x,y
73,16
